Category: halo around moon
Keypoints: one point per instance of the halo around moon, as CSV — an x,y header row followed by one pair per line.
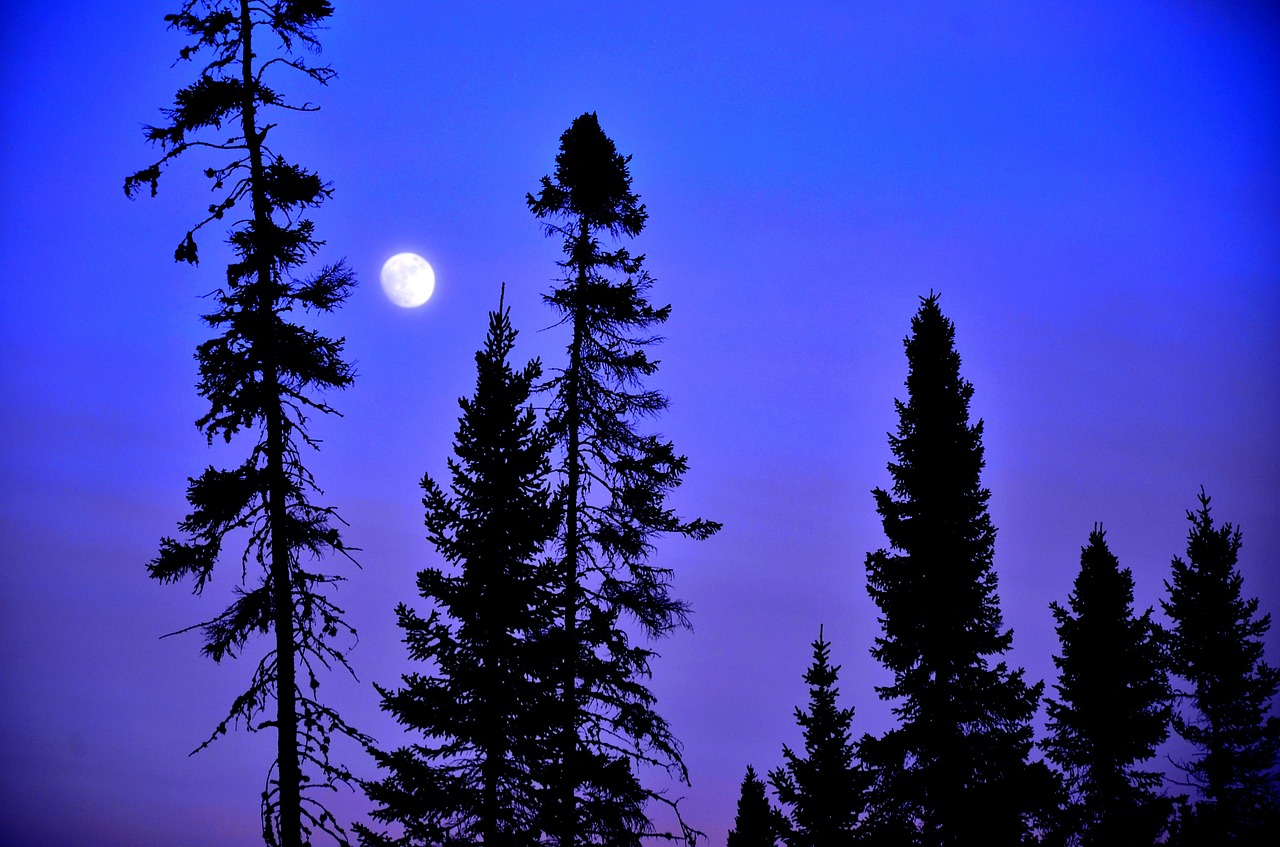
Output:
x,y
407,280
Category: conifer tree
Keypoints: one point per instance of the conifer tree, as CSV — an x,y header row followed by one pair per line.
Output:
x,y
823,788
480,705
955,770
756,823
1216,646
616,481
262,375
1114,706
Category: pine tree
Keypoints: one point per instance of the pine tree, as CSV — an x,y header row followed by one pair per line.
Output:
x,y
955,770
756,823
1216,646
480,706
263,374
1114,708
824,788
616,482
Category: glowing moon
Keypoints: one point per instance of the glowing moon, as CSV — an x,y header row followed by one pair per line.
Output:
x,y
408,280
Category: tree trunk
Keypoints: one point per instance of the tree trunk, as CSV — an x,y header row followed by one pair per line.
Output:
x,y
573,423
289,772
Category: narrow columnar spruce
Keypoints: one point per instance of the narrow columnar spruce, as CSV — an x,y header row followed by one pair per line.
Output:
x,y
955,770
264,377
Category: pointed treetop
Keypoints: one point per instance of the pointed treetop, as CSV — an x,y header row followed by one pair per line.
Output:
x,y
756,823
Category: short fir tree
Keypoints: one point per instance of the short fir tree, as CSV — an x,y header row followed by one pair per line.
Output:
x,y
955,771
481,705
822,791
756,823
1216,647
1113,707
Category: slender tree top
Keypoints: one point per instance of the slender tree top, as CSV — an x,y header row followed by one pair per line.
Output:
x,y
230,91
1206,598
940,455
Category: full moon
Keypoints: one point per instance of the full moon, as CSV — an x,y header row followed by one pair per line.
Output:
x,y
408,280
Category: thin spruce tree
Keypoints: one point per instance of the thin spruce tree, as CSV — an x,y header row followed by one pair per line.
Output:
x,y
265,376
1113,709
822,790
616,481
482,704
756,823
955,770
1216,648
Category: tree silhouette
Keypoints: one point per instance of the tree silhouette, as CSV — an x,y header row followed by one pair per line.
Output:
x,y
1216,646
1114,708
616,482
824,788
262,374
756,823
482,705
955,770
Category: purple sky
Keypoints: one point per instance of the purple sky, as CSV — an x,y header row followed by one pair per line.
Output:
x,y
1092,187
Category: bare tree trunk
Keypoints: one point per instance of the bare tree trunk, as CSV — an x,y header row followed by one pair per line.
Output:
x,y
572,543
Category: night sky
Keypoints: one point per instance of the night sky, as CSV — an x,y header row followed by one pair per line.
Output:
x,y
1092,187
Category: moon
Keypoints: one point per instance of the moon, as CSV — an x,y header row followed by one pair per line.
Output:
x,y
407,280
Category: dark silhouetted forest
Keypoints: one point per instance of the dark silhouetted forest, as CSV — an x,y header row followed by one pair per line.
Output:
x,y
526,693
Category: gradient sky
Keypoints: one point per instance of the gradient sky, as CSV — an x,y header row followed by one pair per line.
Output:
x,y
1093,188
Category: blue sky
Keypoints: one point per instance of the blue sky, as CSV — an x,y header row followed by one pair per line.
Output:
x,y
1092,188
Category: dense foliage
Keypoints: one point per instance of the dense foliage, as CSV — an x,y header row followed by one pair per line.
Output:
x,y
955,770
822,790
1216,647
756,823
1113,708
480,702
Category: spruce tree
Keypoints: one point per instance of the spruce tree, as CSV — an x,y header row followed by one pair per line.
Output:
x,y
1114,706
263,375
1216,646
616,482
955,770
823,789
756,823
480,704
